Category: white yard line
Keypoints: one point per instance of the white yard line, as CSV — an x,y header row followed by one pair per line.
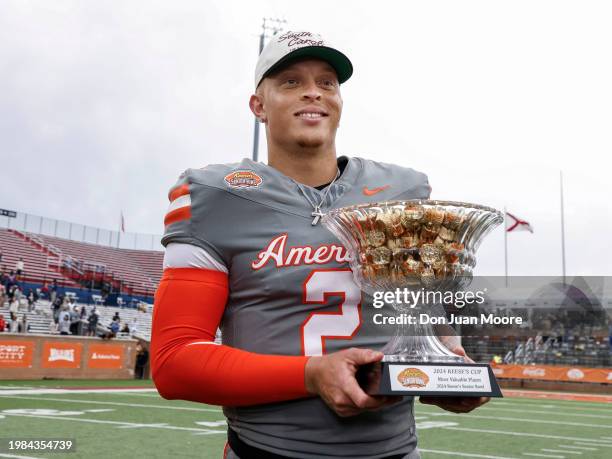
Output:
x,y
551,402
15,387
510,403
554,456
70,391
517,410
20,457
534,405
577,447
133,405
521,420
599,442
121,424
578,394
518,434
582,443
606,438
564,451
135,394
454,453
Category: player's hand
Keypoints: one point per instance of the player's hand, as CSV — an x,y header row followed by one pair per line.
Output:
x,y
332,377
455,404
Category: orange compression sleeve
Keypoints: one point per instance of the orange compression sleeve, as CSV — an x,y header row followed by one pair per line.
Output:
x,y
189,304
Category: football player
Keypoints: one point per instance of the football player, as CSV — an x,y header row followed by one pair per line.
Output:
x,y
245,252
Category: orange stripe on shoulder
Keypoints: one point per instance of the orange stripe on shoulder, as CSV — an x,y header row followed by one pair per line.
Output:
x,y
180,214
177,192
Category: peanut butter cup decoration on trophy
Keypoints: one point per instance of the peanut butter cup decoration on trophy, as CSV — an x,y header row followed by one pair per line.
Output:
x,y
413,242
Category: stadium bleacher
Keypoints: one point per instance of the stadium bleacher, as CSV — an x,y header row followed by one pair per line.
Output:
x,y
36,258
41,317
135,271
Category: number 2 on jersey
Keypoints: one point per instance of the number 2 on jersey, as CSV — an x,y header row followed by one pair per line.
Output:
x,y
341,324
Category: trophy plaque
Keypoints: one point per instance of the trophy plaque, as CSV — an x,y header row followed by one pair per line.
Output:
x,y
422,245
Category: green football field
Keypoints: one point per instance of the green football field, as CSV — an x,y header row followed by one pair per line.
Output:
x,y
134,423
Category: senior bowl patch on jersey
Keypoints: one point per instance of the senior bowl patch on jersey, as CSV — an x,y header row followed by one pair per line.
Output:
x,y
243,179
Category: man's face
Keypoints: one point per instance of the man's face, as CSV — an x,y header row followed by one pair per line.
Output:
x,y
301,104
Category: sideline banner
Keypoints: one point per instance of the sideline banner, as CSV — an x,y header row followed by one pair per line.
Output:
x,y
16,354
553,373
105,356
61,354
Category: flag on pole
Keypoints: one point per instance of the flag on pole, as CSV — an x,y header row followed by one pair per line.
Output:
x,y
122,223
513,223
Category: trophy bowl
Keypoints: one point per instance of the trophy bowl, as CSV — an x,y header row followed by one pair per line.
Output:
x,y
423,245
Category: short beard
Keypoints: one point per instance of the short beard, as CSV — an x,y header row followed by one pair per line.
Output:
x,y
306,142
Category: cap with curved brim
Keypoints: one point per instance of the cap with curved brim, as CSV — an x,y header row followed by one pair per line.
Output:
x,y
341,64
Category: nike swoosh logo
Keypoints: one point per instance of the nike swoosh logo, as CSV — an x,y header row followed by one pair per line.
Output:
x,y
373,191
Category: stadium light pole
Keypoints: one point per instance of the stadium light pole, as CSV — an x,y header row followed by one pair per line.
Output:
x,y
562,226
506,246
274,25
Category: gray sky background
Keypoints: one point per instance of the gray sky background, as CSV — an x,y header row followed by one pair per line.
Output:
x,y
104,103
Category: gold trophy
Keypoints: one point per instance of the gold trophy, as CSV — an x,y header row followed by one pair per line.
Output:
x,y
421,245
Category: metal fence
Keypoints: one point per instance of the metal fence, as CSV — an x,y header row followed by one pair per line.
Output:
x,y
76,232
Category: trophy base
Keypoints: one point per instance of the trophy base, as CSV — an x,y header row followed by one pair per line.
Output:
x,y
437,379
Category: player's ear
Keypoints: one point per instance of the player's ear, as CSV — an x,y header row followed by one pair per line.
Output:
x,y
256,105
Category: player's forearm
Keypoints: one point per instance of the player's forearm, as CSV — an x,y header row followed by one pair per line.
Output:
x,y
221,375
187,365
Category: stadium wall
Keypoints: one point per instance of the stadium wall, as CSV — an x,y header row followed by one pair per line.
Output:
x,y
64,357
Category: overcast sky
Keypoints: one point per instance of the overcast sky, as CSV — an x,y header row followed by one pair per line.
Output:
x,y
104,103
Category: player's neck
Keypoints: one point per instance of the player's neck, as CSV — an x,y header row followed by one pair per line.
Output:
x,y
310,168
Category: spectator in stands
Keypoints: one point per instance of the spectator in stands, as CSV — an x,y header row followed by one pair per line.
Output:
x,y
30,300
13,301
83,312
126,328
13,324
116,316
64,312
134,326
64,325
142,357
54,288
44,291
92,322
10,281
53,327
114,328
105,290
2,295
56,305
17,295
75,320
2,323
20,268
24,326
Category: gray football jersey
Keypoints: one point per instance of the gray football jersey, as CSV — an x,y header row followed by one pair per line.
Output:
x,y
292,293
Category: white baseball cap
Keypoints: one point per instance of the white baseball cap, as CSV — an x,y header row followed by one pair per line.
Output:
x,y
287,46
